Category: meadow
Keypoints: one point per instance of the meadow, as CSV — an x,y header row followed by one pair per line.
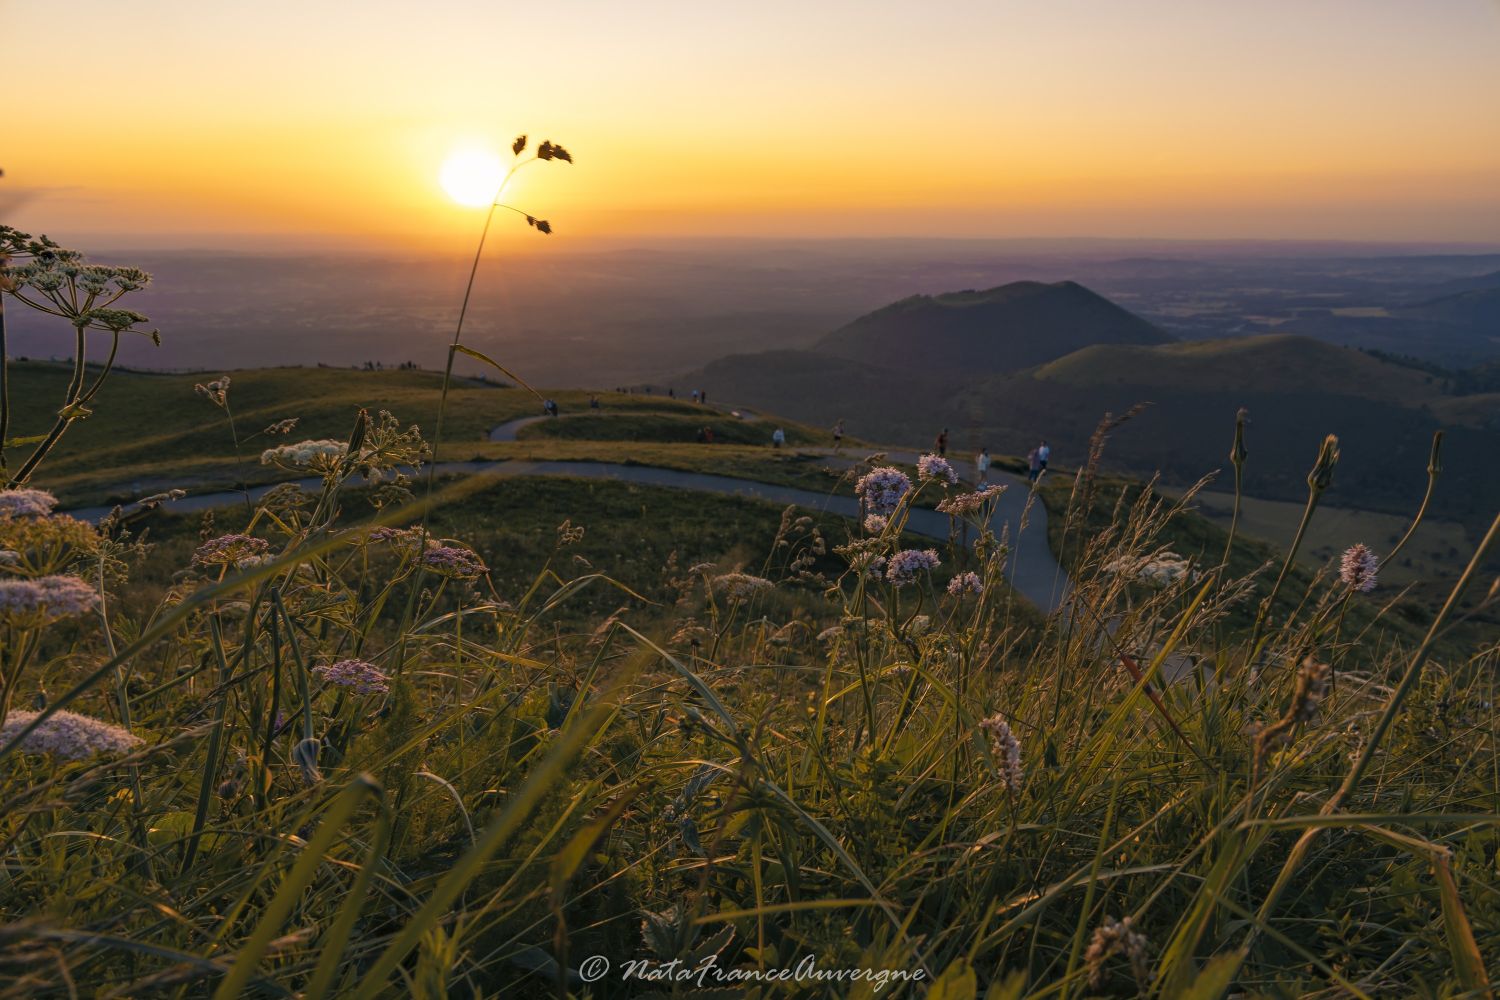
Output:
x,y
404,734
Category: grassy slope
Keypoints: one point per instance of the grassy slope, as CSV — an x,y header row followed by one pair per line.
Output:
x,y
674,427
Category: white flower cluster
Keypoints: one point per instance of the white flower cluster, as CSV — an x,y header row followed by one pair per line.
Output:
x,y
319,454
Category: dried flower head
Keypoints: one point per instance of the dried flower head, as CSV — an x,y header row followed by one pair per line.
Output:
x,y
231,550
882,489
1007,751
1358,568
930,467
362,677
26,503
68,735
739,586
906,564
281,427
1117,937
216,392
969,503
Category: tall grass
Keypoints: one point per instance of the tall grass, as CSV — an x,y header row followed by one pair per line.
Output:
x,y
336,760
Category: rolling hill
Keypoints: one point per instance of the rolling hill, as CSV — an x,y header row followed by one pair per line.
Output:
x,y
912,379
1003,329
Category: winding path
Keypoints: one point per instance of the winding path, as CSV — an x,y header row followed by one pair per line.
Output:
x,y
1032,570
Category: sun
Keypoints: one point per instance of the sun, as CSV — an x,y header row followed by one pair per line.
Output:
x,y
472,176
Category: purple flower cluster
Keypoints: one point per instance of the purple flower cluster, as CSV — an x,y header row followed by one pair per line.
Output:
x,y
965,583
1358,568
230,550
453,561
45,599
935,467
68,735
882,489
906,564
364,678
875,524
26,503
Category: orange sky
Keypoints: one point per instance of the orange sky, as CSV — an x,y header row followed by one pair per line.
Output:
x,y
305,123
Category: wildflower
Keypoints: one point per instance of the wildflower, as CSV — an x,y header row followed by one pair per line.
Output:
x,y
281,427
26,503
965,583
321,454
231,550
216,392
1117,937
1358,568
364,678
968,503
45,599
453,561
1007,751
882,489
935,467
68,735
906,564
875,524
157,499
739,586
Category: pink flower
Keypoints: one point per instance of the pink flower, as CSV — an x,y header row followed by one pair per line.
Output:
x,y
45,599
26,503
68,735
453,561
906,564
882,489
364,678
965,583
935,467
1007,750
1358,568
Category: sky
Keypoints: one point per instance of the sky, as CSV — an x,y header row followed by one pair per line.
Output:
x,y
305,124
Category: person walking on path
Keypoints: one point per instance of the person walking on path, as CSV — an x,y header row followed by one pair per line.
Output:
x,y
1043,452
695,395
778,438
941,444
982,466
838,436
1033,464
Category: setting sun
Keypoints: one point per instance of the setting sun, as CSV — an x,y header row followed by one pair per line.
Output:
x,y
472,176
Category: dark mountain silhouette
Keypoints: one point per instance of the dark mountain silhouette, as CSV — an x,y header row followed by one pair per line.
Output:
x,y
902,372
1004,329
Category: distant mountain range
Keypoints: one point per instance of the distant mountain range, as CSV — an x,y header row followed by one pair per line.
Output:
x,y
1007,366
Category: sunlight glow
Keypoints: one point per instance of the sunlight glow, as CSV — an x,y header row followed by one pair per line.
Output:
x,y
472,176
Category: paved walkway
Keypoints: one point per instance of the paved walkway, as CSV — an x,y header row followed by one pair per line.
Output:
x,y
1031,570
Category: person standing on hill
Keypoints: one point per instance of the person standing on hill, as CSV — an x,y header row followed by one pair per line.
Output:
x,y
982,466
1043,452
695,395
941,444
703,396
1033,464
838,435
778,438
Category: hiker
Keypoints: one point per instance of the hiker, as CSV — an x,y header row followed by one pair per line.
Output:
x,y
671,392
1043,452
593,401
708,435
549,407
695,395
838,435
982,466
703,396
778,438
1033,464
941,444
